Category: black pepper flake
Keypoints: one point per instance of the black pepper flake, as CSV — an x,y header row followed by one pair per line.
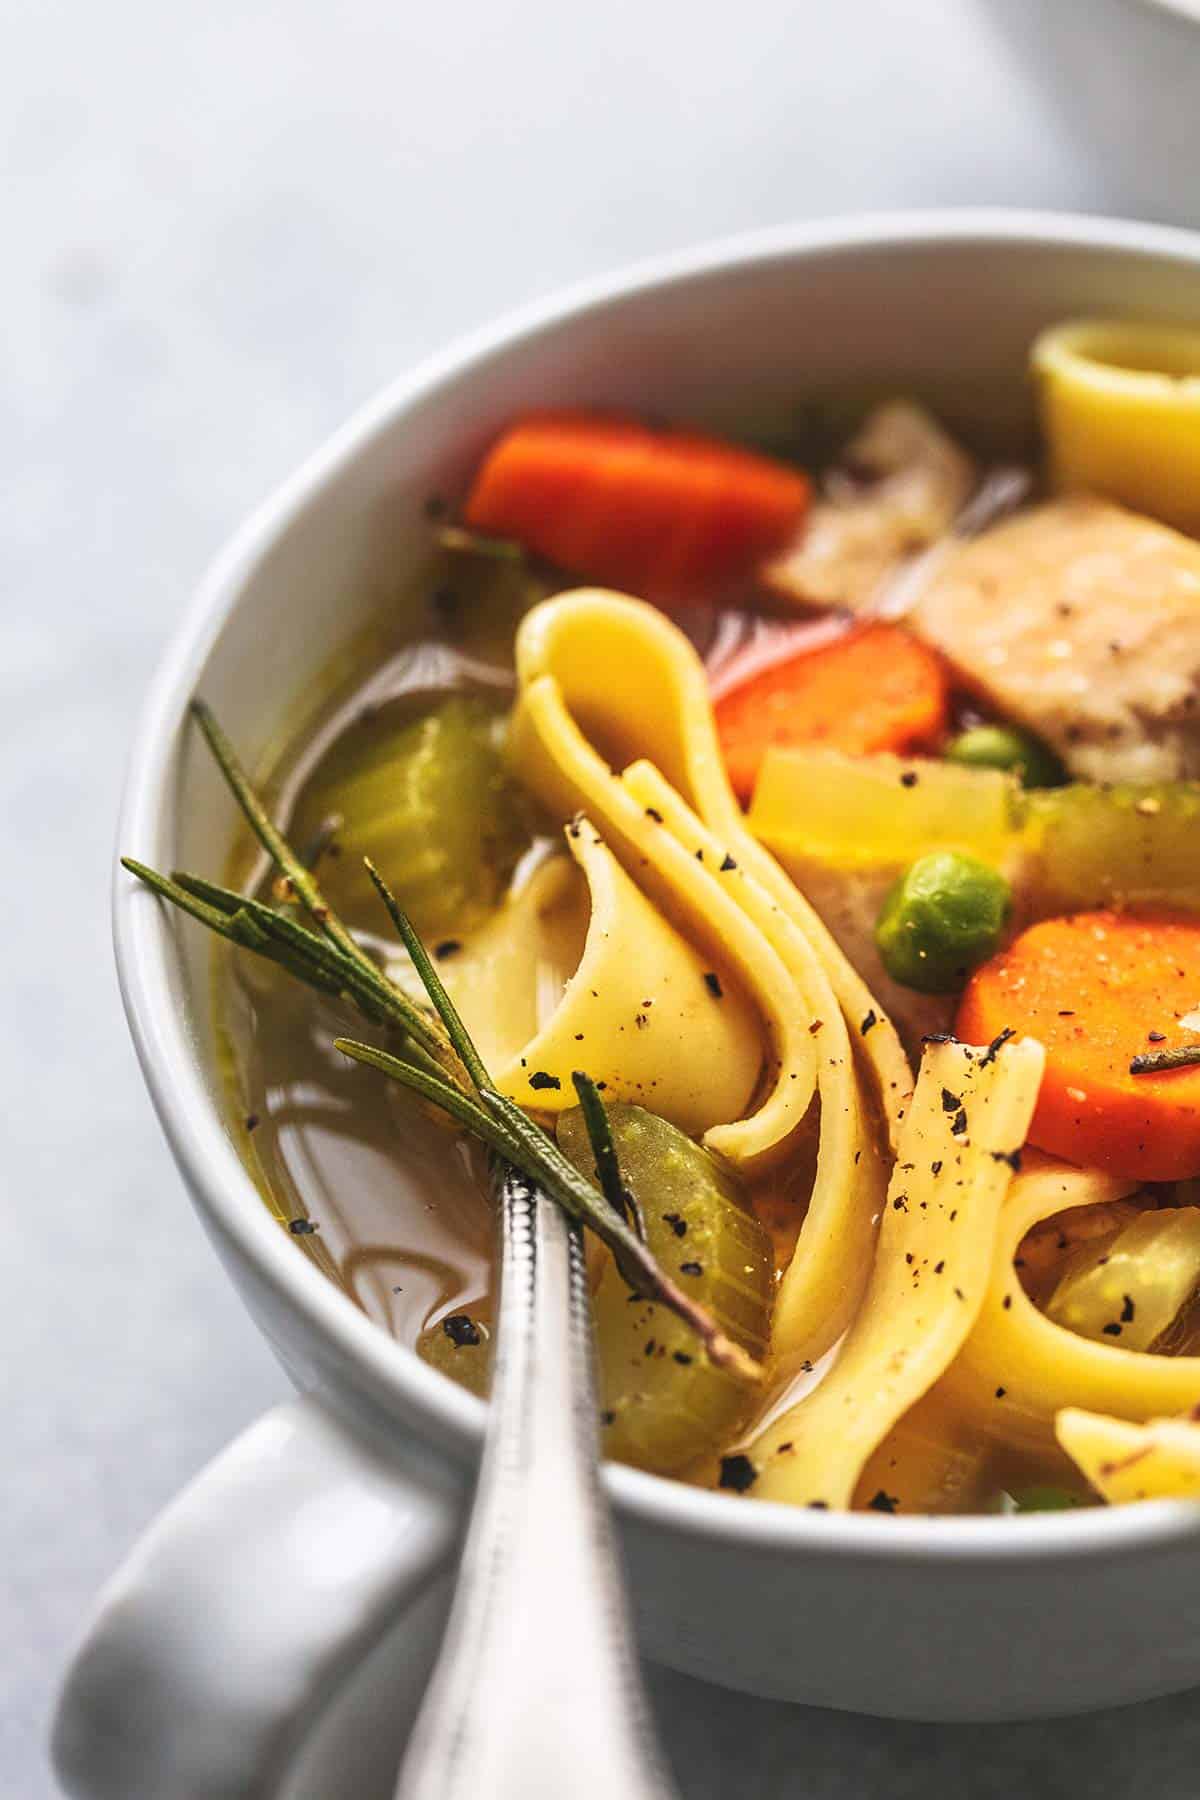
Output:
x,y
806,1367
1066,1012
461,1330
302,1227
872,1018
815,1027
997,1044
1000,1393
681,1356
935,1168
737,1473
447,947
251,1121
699,856
958,1124
908,1256
950,1102
1127,1309
1112,1329
882,1502
677,1224
652,812
1006,1303
727,864
541,1079
608,1417
958,1294
900,1203
1156,1037
651,1347
713,984
909,778
938,1267
1011,1157
691,1268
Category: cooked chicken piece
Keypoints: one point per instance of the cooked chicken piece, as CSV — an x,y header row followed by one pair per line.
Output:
x,y
899,486
1081,621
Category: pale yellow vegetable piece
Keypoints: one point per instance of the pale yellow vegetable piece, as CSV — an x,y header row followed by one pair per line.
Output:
x,y
864,812
1130,1289
606,680
1018,1369
1156,1461
1120,408
639,1013
968,1117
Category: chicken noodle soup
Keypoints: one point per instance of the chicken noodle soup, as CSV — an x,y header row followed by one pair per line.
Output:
x,y
814,855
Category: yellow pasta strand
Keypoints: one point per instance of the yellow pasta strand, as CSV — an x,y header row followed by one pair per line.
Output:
x,y
1156,1461
1120,406
634,688
640,992
824,1281
970,1112
1018,1369
694,894
602,678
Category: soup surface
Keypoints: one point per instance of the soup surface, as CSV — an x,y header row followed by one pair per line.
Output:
x,y
844,832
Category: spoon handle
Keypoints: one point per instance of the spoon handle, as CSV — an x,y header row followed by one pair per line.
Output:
x,y
536,1690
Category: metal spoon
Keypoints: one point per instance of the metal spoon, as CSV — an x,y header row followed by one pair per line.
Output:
x,y
536,1689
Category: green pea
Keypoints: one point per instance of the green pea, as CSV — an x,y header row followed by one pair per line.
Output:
x,y
940,920
1004,747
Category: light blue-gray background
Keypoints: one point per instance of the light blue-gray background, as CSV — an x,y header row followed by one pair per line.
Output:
x,y
221,227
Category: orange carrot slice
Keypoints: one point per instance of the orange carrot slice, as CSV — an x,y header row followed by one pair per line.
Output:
x,y
1098,989
669,515
875,688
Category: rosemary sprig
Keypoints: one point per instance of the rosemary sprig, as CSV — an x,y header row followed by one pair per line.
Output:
x,y
1153,1062
604,1152
438,1059
535,1152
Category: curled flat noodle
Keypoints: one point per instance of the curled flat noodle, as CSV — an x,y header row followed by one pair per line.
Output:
x,y
970,1112
631,686
1120,406
604,680
1156,1461
1018,1369
638,989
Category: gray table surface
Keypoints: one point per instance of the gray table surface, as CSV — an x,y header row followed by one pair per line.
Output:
x,y
223,226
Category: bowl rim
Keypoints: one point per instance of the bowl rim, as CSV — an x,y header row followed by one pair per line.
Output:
x,y
221,1187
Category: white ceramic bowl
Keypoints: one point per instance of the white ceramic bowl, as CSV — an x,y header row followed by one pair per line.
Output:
x,y
267,1581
